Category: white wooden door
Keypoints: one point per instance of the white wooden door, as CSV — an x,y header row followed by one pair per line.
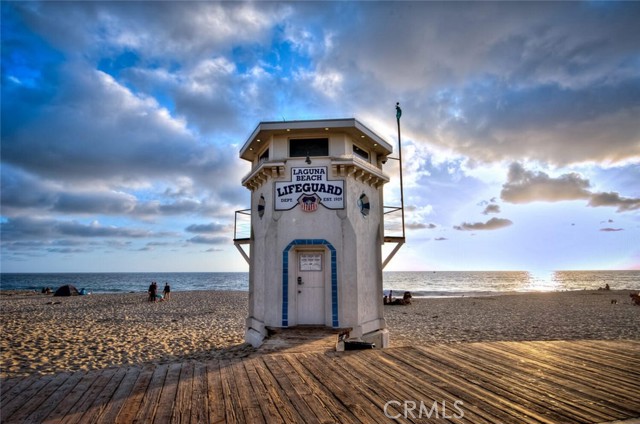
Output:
x,y
310,287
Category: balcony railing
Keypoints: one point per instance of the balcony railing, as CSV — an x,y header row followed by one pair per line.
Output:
x,y
242,226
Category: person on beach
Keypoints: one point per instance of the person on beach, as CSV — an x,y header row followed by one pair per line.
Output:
x,y
166,291
153,289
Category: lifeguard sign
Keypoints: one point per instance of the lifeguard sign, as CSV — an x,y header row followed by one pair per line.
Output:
x,y
316,227
309,183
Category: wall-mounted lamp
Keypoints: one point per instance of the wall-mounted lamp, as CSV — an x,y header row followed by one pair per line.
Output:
x,y
308,160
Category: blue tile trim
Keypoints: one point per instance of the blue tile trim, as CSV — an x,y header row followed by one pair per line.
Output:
x,y
285,279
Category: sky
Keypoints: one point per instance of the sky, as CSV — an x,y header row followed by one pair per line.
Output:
x,y
122,124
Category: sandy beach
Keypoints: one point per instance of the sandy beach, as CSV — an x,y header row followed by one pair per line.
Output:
x,y
45,334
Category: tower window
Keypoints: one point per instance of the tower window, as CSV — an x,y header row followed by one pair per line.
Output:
x,y
361,153
302,147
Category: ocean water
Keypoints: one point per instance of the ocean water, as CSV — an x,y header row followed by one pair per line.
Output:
x,y
457,283
420,283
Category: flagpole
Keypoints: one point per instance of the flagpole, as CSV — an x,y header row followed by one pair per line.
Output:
x,y
398,115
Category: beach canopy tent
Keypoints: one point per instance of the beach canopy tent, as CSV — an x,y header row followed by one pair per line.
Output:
x,y
67,290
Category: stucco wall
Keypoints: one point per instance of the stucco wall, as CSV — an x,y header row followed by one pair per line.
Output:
x,y
355,237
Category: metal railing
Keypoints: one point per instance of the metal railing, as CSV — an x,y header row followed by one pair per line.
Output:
x,y
242,225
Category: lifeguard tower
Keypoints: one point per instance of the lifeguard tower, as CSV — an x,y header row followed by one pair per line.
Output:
x,y
316,228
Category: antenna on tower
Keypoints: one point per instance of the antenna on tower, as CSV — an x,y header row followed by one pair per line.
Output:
x,y
398,115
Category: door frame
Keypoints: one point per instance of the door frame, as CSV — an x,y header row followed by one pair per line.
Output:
x,y
331,261
321,276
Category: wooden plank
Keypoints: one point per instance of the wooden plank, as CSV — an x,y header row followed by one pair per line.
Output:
x,y
375,374
36,402
431,363
430,386
626,351
542,394
586,384
25,396
232,401
276,393
102,399
357,407
435,377
550,381
199,408
574,377
307,389
251,407
589,382
372,384
168,396
85,401
618,371
332,396
149,402
618,365
112,410
387,394
52,402
182,408
215,397
132,404
297,398
261,393
66,404
20,386
6,384
566,378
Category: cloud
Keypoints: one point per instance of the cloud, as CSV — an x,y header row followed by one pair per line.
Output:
x,y
492,208
131,111
23,228
206,228
614,199
108,202
492,224
166,31
98,131
419,226
524,186
209,240
611,229
440,239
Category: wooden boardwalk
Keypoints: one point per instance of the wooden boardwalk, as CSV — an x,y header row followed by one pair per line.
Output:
x,y
498,382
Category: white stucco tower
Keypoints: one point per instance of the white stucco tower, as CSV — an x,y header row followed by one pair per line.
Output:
x,y
315,243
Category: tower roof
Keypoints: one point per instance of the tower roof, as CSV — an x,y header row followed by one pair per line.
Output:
x,y
351,126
